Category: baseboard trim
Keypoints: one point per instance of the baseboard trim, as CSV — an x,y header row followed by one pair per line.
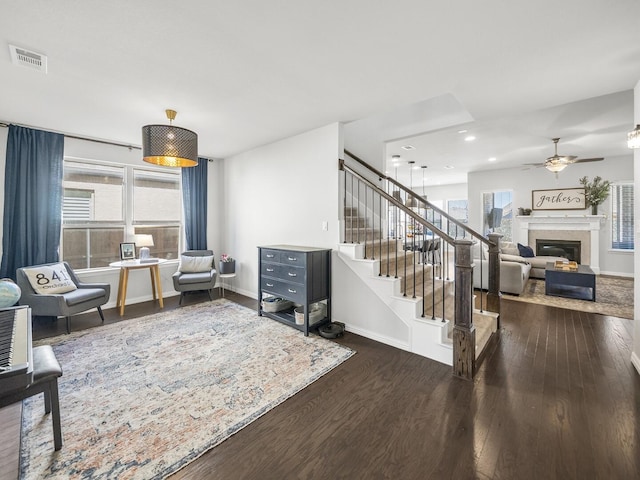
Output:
x,y
392,342
635,360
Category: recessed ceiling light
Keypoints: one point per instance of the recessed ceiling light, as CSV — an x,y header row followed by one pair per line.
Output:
x,y
469,138
408,147
449,167
492,159
462,131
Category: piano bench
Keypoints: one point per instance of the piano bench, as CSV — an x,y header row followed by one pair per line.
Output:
x,y
46,371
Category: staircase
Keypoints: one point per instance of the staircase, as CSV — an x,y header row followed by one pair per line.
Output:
x,y
429,314
421,293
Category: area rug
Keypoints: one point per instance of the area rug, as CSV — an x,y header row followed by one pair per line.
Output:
x,y
614,297
142,398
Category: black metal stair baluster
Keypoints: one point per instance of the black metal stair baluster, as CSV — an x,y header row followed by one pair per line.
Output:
x,y
481,277
413,254
397,221
444,288
424,277
351,212
433,284
404,249
379,227
388,236
344,207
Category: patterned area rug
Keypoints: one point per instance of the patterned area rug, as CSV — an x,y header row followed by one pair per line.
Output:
x,y
142,398
614,297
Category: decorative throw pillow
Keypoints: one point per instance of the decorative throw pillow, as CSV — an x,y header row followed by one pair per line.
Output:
x,y
509,248
189,264
50,279
526,251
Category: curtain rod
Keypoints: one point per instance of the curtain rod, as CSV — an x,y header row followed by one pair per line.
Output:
x,y
87,139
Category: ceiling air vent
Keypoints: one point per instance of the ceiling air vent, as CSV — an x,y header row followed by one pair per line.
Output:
x,y
26,58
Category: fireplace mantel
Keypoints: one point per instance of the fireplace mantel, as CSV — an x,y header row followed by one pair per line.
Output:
x,y
589,224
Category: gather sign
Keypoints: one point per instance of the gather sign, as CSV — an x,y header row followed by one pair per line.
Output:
x,y
559,199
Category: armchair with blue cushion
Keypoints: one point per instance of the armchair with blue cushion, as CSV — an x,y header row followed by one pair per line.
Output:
x,y
53,289
197,271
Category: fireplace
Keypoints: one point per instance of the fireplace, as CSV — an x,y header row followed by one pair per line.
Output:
x,y
569,249
573,227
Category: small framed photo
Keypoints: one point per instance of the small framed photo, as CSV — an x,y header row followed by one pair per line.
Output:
x,y
127,251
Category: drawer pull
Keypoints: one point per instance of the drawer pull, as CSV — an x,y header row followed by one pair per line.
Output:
x,y
270,255
292,259
293,274
269,284
269,269
292,291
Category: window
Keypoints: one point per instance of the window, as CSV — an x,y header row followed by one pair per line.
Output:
x,y
497,214
622,237
458,209
102,203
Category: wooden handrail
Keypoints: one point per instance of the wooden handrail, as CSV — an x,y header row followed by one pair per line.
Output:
x,y
408,191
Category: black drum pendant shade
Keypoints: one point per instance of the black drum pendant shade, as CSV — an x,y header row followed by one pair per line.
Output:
x,y
168,145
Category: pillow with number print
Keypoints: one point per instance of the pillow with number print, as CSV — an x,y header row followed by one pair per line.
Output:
x,y
47,279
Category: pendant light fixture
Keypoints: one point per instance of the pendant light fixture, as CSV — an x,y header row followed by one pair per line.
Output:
x,y
633,138
411,202
168,145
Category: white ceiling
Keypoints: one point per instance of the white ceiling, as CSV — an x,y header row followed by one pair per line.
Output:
x,y
249,72
595,127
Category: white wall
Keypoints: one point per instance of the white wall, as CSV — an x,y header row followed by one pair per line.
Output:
x,y
443,193
280,193
523,181
635,356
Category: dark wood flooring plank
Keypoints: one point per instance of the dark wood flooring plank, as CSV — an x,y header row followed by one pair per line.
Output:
x,y
555,397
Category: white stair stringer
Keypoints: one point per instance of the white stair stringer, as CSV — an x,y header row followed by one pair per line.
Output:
x,y
427,337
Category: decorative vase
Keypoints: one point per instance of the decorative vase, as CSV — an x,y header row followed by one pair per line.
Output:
x,y
228,267
594,209
9,293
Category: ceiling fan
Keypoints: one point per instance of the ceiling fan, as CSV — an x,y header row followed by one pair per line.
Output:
x,y
557,163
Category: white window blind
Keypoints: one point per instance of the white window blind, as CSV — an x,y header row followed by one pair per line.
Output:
x,y
622,221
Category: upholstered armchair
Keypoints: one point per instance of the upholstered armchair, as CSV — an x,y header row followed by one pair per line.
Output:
x,y
197,272
53,289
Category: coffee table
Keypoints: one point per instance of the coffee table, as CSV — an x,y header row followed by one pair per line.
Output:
x,y
579,284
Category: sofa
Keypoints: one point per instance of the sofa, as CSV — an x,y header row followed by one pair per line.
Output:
x,y
514,272
509,250
515,269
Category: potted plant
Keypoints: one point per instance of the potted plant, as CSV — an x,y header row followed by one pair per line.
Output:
x,y
595,192
227,264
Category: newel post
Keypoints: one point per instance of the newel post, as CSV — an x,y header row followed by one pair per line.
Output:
x,y
493,289
464,333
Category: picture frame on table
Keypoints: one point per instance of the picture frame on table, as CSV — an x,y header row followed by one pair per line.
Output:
x,y
127,251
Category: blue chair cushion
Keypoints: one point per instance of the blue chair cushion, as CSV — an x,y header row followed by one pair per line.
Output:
x,y
82,295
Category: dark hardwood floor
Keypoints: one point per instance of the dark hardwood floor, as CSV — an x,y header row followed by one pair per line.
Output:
x,y
555,398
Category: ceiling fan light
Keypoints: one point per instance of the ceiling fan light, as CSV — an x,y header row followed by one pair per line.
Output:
x,y
633,138
555,167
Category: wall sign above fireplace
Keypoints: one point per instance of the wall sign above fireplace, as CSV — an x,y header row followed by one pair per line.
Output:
x,y
562,199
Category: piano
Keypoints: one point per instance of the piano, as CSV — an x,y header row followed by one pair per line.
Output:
x,y
16,356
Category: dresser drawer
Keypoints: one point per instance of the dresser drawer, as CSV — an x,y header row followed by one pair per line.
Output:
x,y
284,272
287,290
293,258
267,255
